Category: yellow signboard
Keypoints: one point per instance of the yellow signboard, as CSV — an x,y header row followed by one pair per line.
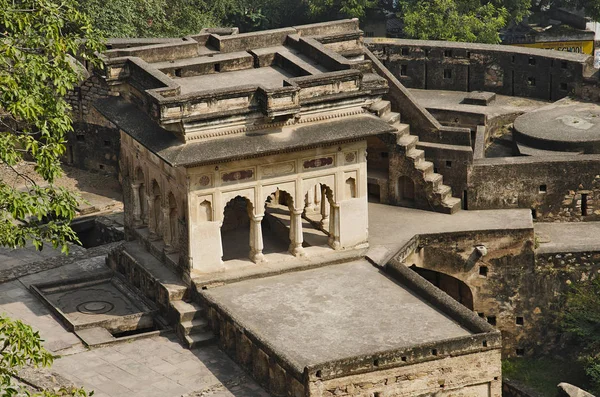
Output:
x,y
580,47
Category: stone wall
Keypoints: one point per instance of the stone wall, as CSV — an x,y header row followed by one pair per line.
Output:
x,y
507,70
94,142
555,188
513,288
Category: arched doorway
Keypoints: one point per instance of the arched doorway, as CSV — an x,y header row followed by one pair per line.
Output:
x,y
277,221
406,191
454,287
235,230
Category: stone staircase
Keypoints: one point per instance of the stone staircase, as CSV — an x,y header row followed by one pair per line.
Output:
x,y
166,289
438,196
192,327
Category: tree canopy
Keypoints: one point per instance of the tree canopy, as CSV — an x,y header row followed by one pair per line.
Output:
x,y
36,72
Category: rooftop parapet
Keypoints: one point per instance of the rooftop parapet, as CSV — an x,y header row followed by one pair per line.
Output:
x,y
216,82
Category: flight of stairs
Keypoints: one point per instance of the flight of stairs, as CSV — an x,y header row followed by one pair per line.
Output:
x,y
438,195
192,326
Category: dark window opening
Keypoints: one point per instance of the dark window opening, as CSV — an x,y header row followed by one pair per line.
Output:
x,y
491,320
520,352
520,321
178,72
484,343
403,70
318,374
376,363
448,53
482,315
217,67
533,213
447,73
435,170
543,188
403,358
584,205
531,81
448,164
80,137
101,166
434,352
106,143
564,86
405,51
468,54
483,271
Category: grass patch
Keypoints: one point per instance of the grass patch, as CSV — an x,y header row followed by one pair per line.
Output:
x,y
544,374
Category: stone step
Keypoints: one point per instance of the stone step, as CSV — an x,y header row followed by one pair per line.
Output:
x,y
403,129
391,117
381,107
451,205
444,191
193,327
408,142
434,179
425,167
416,155
187,311
200,339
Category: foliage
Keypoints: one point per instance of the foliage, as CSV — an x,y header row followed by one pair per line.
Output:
x,y
592,7
581,319
543,374
334,9
36,73
453,20
20,346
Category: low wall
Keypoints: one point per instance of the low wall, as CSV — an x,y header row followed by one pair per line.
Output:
x,y
554,187
507,70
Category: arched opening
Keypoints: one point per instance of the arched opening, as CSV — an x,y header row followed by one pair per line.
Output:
x,y
350,188
277,222
454,287
406,191
173,222
235,230
141,197
156,209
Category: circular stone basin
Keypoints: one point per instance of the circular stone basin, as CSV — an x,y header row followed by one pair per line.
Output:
x,y
566,125
95,307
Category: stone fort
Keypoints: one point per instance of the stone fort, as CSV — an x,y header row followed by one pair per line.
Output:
x,y
260,172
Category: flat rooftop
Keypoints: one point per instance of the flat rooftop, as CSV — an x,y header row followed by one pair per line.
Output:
x,y
268,77
334,312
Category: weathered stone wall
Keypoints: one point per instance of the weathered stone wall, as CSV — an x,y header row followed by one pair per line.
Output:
x,y
473,375
500,282
554,187
516,290
94,142
507,70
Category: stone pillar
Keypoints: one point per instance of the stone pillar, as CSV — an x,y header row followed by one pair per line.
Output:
x,y
296,237
324,209
256,240
317,193
310,201
137,210
151,221
166,228
334,227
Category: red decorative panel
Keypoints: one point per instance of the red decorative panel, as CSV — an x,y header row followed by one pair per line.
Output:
x,y
316,163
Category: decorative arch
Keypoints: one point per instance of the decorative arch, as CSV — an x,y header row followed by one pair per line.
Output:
x,y
205,212
156,213
235,228
454,287
350,188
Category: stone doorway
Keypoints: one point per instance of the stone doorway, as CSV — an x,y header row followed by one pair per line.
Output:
x,y
454,287
406,191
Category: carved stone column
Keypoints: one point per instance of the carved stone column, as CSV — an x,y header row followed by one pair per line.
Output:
x,y
166,228
256,240
153,221
296,237
334,227
317,193
137,210
310,201
324,210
